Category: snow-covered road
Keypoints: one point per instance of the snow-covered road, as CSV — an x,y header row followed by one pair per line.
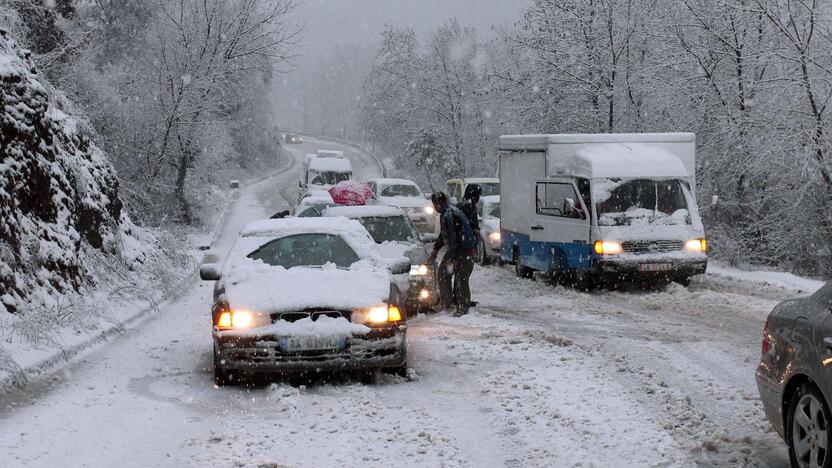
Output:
x,y
536,376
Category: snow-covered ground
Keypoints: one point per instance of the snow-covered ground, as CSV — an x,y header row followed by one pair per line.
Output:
x,y
536,376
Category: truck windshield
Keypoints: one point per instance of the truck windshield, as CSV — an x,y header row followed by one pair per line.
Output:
x,y
625,202
328,178
490,188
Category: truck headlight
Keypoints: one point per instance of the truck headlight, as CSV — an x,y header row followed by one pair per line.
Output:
x,y
383,314
242,319
495,236
696,245
608,248
419,270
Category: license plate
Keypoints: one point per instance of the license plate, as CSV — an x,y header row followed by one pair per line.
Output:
x,y
294,344
655,267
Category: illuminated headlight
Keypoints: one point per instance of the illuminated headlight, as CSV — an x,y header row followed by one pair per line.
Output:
x,y
242,319
429,210
424,295
495,236
696,245
419,270
608,248
382,314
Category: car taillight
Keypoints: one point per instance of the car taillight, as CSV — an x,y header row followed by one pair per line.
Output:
x,y
766,345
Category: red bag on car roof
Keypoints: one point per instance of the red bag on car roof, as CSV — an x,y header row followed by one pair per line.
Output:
x,y
351,193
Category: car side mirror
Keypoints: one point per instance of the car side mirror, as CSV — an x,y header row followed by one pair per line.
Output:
x,y
209,272
400,267
281,215
428,195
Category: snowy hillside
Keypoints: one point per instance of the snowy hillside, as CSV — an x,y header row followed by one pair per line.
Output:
x,y
58,193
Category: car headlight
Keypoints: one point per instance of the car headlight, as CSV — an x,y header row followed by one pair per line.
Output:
x,y
608,248
696,245
429,210
419,270
495,236
242,319
381,314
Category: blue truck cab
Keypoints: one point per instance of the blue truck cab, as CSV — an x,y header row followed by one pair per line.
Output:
x,y
596,208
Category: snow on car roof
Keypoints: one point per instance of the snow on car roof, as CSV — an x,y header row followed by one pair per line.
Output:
x,y
393,181
481,180
254,233
365,211
495,199
330,165
620,160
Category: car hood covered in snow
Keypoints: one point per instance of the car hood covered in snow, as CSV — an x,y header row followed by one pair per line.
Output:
x,y
262,288
404,202
394,252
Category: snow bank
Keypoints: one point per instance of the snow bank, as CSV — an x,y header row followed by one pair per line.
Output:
x,y
773,278
58,193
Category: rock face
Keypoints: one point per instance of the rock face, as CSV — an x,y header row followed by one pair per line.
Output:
x,y
58,192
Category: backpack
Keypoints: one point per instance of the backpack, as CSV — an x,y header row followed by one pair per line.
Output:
x,y
467,239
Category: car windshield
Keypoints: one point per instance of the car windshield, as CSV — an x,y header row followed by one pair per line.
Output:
x,y
403,190
490,188
390,228
329,178
628,202
493,210
314,210
306,250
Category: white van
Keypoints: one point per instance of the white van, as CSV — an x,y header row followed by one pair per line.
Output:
x,y
594,208
324,172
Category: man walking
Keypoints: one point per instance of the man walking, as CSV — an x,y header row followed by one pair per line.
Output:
x,y
458,262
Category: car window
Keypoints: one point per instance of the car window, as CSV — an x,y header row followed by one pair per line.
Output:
x,y
401,191
390,228
824,295
306,250
494,210
310,212
489,189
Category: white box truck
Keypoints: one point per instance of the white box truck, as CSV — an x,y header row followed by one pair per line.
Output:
x,y
596,208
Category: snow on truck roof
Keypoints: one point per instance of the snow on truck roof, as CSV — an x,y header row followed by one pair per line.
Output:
x,y
628,160
366,211
542,141
330,165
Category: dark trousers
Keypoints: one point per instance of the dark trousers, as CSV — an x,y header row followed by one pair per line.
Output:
x,y
453,277
463,267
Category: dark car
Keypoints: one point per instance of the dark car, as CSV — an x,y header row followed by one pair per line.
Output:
x,y
795,376
305,295
292,139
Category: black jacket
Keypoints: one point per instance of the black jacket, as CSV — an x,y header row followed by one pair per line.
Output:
x,y
470,210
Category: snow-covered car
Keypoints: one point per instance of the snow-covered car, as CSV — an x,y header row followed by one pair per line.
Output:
x,y
397,239
305,295
793,376
407,196
488,209
312,204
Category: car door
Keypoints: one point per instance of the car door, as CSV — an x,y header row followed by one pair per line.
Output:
x,y
819,314
561,223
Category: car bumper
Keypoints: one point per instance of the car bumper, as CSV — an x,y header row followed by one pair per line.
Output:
x,y
381,348
652,266
771,394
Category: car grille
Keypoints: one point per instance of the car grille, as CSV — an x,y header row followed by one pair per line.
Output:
x,y
413,210
648,247
314,314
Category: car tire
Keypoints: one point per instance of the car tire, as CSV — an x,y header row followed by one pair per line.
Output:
x,y
482,254
808,418
222,376
683,280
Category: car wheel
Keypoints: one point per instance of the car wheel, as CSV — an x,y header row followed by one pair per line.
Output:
x,y
807,428
482,254
222,376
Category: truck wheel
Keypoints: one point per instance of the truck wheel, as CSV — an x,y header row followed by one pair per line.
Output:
x,y
519,269
222,376
482,254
